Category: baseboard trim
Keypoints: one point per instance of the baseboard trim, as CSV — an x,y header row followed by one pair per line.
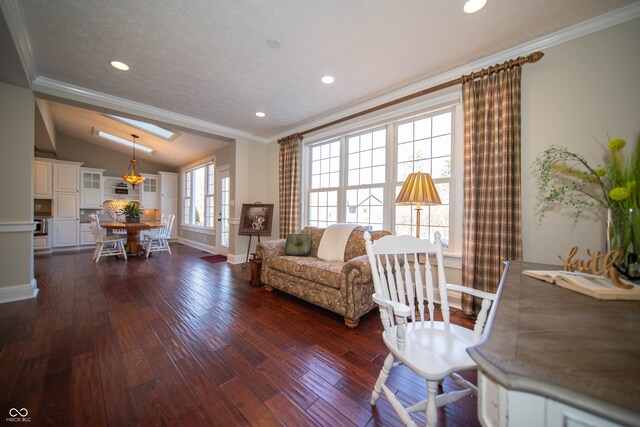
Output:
x,y
19,292
197,245
236,259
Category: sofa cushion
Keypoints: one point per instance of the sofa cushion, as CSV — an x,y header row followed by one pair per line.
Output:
x,y
298,245
326,273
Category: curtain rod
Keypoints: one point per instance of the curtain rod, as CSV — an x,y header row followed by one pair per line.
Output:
x,y
534,57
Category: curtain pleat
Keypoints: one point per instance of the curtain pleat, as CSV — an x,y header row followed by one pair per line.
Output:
x,y
492,217
289,184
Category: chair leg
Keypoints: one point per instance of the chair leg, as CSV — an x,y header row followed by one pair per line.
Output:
x,y
149,243
123,249
166,242
99,252
432,409
382,378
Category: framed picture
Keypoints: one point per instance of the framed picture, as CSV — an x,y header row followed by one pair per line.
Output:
x,y
255,219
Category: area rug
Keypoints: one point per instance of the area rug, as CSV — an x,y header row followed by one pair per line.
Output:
x,y
214,258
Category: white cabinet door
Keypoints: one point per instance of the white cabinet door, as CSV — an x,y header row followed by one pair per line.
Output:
x,y
91,188
65,178
149,192
43,172
65,206
168,184
65,232
41,242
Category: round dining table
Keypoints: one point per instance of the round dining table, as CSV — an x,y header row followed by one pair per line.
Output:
x,y
133,233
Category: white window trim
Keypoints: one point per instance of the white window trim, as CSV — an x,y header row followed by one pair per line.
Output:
x,y
452,101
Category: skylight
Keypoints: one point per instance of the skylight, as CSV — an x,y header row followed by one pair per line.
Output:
x,y
105,135
147,127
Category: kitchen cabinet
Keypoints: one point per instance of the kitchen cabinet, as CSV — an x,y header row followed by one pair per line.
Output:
x,y
41,243
43,175
169,197
91,195
86,234
149,191
65,219
65,177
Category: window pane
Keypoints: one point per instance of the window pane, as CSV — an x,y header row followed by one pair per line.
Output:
x,y
380,138
441,167
442,124
198,196
441,146
405,133
423,128
405,152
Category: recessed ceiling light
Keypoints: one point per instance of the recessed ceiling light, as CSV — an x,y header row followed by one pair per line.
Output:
x,y
328,80
108,136
273,43
120,65
472,6
260,114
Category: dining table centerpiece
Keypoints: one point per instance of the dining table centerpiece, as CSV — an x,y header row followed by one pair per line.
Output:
x,y
132,212
566,178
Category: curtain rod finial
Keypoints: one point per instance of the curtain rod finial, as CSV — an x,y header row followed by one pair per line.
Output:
x,y
535,56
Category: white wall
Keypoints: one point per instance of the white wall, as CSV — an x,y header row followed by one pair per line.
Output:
x,y
17,118
581,90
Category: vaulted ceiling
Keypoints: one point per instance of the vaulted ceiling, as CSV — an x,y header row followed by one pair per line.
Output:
x,y
209,61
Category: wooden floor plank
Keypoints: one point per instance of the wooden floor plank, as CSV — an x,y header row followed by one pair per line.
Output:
x,y
87,405
175,340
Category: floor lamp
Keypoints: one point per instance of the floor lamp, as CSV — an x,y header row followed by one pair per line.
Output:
x,y
418,189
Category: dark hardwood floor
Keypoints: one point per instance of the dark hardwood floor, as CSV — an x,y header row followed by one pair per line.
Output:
x,y
175,340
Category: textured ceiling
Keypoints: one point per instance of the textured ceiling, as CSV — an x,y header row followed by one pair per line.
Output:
x,y
208,59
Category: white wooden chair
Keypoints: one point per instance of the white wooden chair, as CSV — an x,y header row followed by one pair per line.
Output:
x,y
106,246
432,349
159,241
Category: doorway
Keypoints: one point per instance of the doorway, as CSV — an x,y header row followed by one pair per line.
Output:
x,y
224,197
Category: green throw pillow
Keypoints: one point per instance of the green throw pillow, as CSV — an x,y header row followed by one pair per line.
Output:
x,y
298,245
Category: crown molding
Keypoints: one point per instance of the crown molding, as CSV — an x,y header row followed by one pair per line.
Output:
x,y
584,28
58,89
21,39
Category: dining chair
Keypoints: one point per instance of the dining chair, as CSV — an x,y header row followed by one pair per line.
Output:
x,y
159,241
403,269
106,245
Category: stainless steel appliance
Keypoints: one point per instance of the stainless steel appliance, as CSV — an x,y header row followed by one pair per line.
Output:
x,y
42,227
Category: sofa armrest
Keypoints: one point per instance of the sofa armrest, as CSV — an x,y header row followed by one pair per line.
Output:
x,y
357,270
271,248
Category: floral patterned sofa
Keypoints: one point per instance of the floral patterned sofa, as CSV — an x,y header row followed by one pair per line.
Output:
x,y
344,287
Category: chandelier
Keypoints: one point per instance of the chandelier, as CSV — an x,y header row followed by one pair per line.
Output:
x,y
130,174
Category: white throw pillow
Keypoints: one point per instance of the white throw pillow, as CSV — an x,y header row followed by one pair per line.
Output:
x,y
334,241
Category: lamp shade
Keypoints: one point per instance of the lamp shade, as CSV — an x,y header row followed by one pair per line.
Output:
x,y
418,189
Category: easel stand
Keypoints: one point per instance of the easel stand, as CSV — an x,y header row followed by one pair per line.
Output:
x,y
244,264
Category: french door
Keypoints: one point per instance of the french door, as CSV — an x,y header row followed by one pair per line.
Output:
x,y
223,196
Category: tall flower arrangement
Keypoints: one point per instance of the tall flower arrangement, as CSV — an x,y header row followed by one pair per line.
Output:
x,y
566,178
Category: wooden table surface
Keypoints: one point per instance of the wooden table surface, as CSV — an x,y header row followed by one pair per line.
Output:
x,y
565,346
133,232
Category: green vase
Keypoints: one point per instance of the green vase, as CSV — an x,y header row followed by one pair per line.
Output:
x,y
624,236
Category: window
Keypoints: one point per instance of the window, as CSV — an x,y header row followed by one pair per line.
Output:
x,y
325,182
356,178
424,145
199,200
366,177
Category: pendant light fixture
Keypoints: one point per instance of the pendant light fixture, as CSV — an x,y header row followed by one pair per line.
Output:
x,y
130,174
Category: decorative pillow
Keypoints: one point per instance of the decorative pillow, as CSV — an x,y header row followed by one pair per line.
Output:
x,y
298,245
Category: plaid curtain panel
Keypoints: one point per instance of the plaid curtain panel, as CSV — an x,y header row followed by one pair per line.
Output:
x,y
289,184
492,219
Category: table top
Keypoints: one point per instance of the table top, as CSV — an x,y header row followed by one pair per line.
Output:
x,y
569,347
131,225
